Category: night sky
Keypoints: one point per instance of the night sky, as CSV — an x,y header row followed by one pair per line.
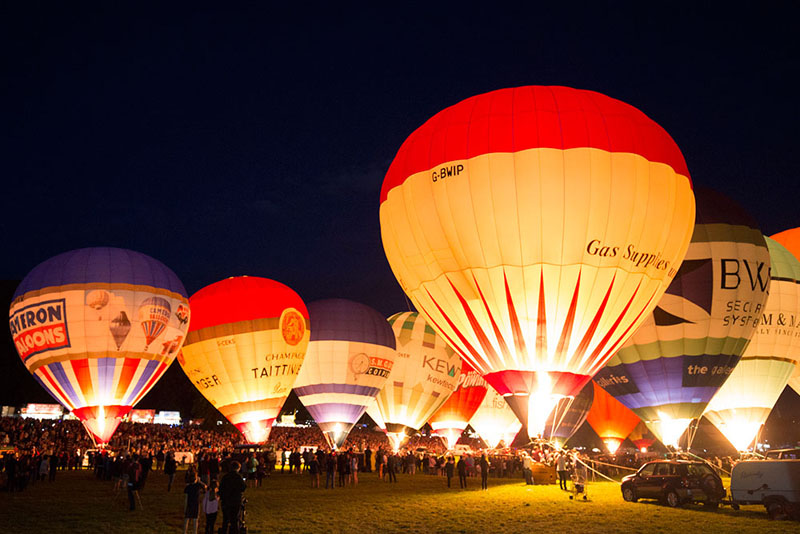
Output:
x,y
252,140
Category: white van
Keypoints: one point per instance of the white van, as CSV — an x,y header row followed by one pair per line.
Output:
x,y
773,483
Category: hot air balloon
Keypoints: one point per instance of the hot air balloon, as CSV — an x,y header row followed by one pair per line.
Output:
x,y
349,357
495,421
425,373
610,419
743,403
154,314
568,416
686,349
83,362
642,437
452,418
790,239
97,300
535,228
244,349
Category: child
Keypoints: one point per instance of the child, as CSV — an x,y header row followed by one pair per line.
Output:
x,y
192,508
211,506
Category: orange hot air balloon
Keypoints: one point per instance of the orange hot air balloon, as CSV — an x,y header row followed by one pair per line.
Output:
x,y
535,228
244,349
610,419
642,437
452,418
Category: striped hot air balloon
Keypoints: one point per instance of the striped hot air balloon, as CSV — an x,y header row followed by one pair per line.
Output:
x,y
425,373
244,350
452,418
349,357
679,357
98,366
535,228
743,403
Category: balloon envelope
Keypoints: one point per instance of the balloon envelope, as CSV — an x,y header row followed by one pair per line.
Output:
x,y
495,421
610,419
790,239
245,348
534,228
74,323
744,402
349,357
568,415
424,375
452,418
679,357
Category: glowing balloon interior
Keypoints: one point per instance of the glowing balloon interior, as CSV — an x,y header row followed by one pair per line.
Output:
x,y
425,373
495,421
743,403
452,418
535,228
244,350
610,419
679,357
349,357
78,325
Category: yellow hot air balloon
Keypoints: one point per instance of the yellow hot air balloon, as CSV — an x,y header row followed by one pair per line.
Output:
x,y
495,421
743,403
425,373
244,349
535,228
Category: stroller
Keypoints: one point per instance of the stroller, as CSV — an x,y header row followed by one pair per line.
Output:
x,y
240,519
579,477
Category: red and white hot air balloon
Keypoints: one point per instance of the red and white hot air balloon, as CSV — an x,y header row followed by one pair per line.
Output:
x,y
452,418
534,228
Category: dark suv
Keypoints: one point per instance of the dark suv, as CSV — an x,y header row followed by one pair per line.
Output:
x,y
674,482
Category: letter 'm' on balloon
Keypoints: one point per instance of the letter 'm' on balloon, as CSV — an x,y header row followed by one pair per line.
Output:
x,y
96,328
245,348
535,228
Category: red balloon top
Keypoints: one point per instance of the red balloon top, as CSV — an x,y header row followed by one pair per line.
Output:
x,y
520,118
242,298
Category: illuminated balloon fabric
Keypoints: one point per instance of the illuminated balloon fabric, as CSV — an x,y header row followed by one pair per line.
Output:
x,y
64,320
425,373
790,239
349,356
676,361
535,228
744,402
568,415
642,437
452,418
610,419
245,348
495,421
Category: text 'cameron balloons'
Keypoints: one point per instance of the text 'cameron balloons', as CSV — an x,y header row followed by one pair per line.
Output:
x,y
610,419
495,421
452,418
790,239
744,402
349,357
535,228
679,357
244,349
77,325
424,375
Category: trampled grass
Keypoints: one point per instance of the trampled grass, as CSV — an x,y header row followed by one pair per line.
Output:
x,y
78,503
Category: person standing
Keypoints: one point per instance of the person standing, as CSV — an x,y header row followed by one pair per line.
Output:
x,y
231,488
461,467
484,465
211,506
192,493
313,468
561,469
449,469
527,468
354,468
391,467
330,470
170,467
134,478
368,460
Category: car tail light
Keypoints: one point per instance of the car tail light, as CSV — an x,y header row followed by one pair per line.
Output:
x,y
684,482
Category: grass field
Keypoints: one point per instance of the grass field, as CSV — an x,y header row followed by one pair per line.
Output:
x,y
78,503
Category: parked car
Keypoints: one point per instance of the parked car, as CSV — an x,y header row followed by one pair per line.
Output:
x,y
773,483
675,482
